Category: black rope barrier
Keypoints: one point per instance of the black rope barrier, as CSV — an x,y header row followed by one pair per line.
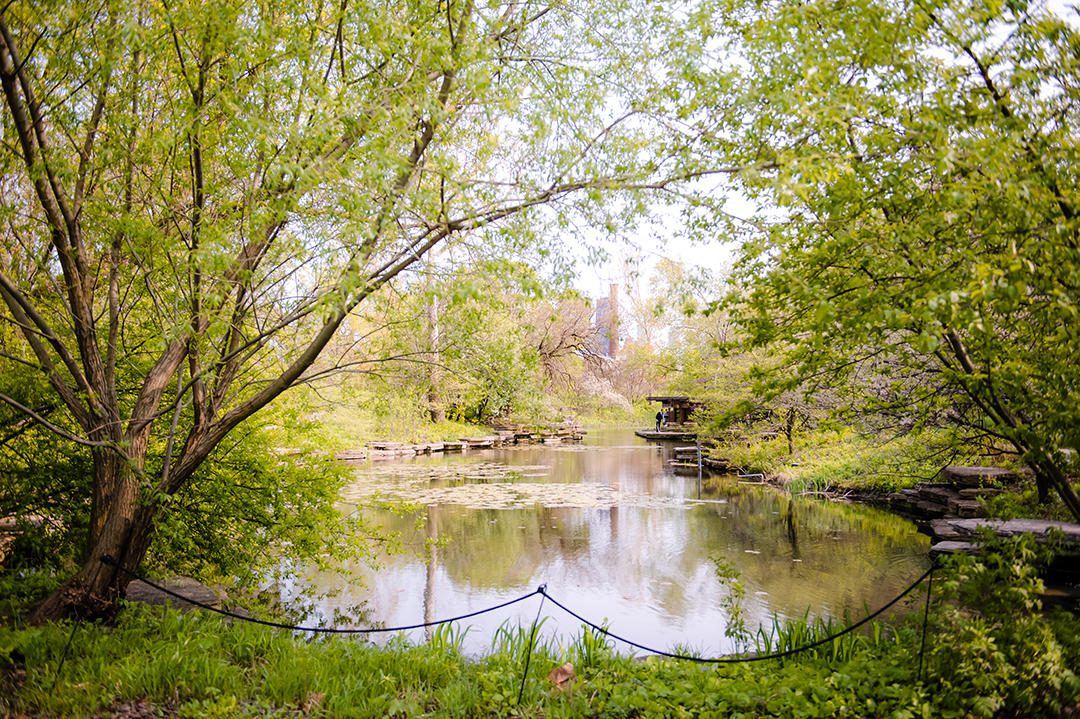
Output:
x,y
532,640
741,660
542,591
325,630
74,631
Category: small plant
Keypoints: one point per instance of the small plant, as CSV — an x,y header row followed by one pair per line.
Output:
x,y
447,638
990,642
736,629
591,649
791,635
219,708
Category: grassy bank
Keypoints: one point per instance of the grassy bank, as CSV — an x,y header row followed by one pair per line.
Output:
x,y
841,459
994,657
350,419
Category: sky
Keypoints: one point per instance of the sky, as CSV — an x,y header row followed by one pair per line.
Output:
x,y
593,280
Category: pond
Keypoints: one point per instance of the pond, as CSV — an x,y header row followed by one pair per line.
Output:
x,y
616,536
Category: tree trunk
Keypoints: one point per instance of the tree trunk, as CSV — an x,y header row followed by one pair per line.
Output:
x,y
124,538
1049,474
789,430
436,409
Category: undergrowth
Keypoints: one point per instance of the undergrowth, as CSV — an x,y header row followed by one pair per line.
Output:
x,y
989,652
842,459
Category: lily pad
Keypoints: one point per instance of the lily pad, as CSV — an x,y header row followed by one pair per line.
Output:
x,y
483,485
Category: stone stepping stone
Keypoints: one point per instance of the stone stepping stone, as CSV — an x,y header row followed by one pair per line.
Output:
x,y
140,591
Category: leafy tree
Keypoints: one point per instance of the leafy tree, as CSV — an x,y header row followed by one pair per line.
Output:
x,y
198,193
923,159
503,337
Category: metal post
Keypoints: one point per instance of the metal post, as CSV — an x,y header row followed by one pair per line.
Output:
x,y
698,443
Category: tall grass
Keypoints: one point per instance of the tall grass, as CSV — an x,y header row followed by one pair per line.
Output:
x,y
840,459
197,666
789,635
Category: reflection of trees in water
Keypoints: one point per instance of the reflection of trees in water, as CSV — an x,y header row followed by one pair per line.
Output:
x,y
432,536
849,555
720,486
792,533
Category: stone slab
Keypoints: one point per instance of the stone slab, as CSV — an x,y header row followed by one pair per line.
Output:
x,y
952,547
386,446
972,492
931,510
966,508
979,476
935,485
140,591
965,529
941,495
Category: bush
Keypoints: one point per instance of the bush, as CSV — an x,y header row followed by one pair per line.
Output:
x,y
991,646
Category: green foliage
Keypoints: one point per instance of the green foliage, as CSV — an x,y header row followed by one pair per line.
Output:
x,y
275,508
1025,503
353,414
20,587
924,257
468,347
270,484
591,650
39,476
837,458
989,642
735,629
794,634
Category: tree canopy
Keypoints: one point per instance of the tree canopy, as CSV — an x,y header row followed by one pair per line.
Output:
x,y
926,246
197,194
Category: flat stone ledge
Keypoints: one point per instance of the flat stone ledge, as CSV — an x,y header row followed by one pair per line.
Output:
x,y
953,548
186,587
965,529
978,476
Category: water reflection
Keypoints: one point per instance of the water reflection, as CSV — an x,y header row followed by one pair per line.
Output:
x,y
643,566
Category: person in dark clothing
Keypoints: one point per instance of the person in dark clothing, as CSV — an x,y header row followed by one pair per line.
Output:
x,y
659,419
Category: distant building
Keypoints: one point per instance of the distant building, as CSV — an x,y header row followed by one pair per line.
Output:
x,y
677,409
607,321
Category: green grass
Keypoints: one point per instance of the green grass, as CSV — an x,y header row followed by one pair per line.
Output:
x,y
351,426
351,421
837,460
198,666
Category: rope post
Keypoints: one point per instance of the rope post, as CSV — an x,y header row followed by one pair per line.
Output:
x,y
532,639
926,617
698,443
75,629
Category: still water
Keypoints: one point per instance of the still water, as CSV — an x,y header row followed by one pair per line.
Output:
x,y
616,536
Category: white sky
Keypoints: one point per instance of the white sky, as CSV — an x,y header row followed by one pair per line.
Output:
x,y
593,281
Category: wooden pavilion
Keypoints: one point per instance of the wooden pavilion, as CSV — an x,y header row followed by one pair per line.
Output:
x,y
678,409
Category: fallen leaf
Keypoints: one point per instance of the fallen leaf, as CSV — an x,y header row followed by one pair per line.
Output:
x,y
314,700
563,678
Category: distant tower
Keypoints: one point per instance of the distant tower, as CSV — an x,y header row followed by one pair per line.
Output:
x,y
607,320
613,320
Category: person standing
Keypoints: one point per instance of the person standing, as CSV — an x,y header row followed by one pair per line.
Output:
x,y
659,419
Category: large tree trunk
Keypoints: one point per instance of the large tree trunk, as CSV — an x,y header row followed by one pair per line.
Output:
x,y
114,552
